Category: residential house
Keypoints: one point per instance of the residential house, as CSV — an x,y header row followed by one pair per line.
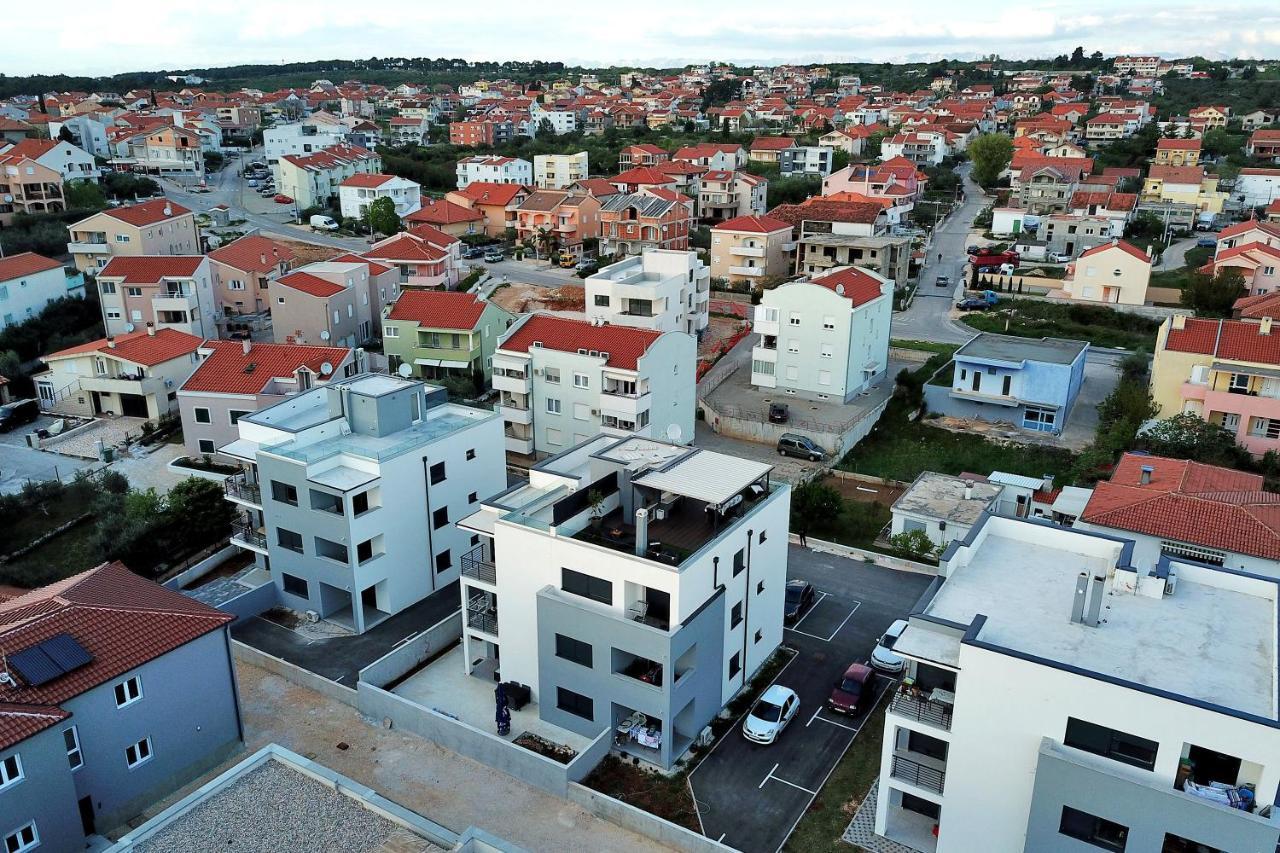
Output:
x,y
443,335
299,139
748,249
1177,152
405,130
566,218
425,257
633,222
116,691
828,234
1108,127
29,282
1256,187
1118,208
136,374
1264,144
497,203
768,149
558,171
660,289
453,219
312,180
562,381
921,146
28,187
1188,185
1048,185
481,133
725,156
168,151
1108,739
352,493
327,303
157,227
805,160
165,291
1114,273
242,272
1211,116
357,194
494,169
643,154
1028,382
1251,121
1070,234
943,507
826,338
238,378
1253,248
725,195
641,178
70,161
851,140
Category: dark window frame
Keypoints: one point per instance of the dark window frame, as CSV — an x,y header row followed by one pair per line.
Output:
x,y
586,586
575,651
286,580
1110,743
1086,827
576,703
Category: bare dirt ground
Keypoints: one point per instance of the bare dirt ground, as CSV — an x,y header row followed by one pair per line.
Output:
x,y
309,253
865,492
525,298
718,331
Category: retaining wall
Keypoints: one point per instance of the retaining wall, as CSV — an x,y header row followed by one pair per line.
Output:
x,y
405,658
870,556
296,674
639,821
253,602
185,578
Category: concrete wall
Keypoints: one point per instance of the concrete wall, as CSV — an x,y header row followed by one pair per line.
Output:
x,y
405,658
835,444
639,821
184,579
296,674
252,602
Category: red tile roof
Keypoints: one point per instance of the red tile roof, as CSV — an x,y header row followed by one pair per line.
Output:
x,y
367,180
26,263
1178,145
310,284
231,370
438,309
624,345
443,212
642,175
1177,174
148,212
1189,502
596,187
253,253
149,269
120,619
1257,307
1118,244
819,210
1233,339
486,192
772,143
854,283
406,247
756,224
375,267
140,347
1270,228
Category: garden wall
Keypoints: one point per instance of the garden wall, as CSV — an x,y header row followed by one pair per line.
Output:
x,y
405,658
296,674
664,832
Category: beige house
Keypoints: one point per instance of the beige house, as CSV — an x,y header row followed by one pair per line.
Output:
x,y
322,304
170,151
165,291
136,375
242,271
27,186
748,249
1116,273
157,227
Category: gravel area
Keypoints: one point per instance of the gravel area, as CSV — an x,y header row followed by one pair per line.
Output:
x,y
270,809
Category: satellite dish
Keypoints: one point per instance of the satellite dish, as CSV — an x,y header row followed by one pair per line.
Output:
x,y
839,290
324,335
405,370
674,433
326,369
129,327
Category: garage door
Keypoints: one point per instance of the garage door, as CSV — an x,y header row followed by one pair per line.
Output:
x,y
133,405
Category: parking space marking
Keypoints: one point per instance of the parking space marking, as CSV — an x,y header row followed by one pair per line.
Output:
x,y
785,782
856,605
812,608
854,729
767,777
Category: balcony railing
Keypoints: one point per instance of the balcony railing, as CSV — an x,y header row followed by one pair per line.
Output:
x,y
248,534
239,486
923,710
476,565
481,617
920,775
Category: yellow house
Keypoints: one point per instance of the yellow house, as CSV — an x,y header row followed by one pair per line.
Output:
x,y
1177,152
1184,185
747,249
1212,116
1115,273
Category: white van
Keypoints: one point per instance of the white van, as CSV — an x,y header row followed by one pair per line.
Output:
x,y
323,223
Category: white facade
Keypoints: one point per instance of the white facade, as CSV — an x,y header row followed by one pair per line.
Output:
x,y
90,133
557,171
170,301
300,138
667,290
74,164
353,201
562,121
495,170
1257,187
22,296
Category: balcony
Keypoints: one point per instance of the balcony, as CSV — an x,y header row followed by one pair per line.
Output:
x,y
912,705
513,413
173,301
511,380
516,444
240,489
754,272
762,353
747,251
91,248
247,536
124,384
477,564
915,772
482,614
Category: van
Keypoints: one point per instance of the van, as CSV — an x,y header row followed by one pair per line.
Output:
x,y
799,446
320,222
17,413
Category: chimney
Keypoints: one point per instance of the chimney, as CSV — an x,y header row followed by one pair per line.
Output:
x,y
642,532
111,342
1179,321
262,259
1082,592
246,345
968,490
1046,482
1264,328
151,329
1145,477
1097,588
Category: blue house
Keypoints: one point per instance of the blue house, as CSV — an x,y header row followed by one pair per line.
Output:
x,y
1027,382
114,692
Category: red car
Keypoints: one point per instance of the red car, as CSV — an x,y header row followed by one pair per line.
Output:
x,y
856,686
281,198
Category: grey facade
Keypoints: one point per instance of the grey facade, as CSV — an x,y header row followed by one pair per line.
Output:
x,y
46,795
1135,799
1073,235
690,655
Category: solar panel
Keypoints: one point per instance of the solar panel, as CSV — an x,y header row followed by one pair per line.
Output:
x,y
35,666
66,651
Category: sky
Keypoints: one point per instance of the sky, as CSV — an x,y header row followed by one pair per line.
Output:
x,y
98,37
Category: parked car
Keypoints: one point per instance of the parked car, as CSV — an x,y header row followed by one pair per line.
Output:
x,y
1059,258
943,281
1209,241
770,715
972,304
281,198
253,182
493,256
972,250
17,413
587,264
320,222
472,252
799,446
797,599
778,413
853,690
985,258
882,657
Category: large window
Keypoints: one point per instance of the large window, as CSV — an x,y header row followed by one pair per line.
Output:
x,y
1092,829
573,650
1118,746
284,493
289,539
1038,418
23,839
10,771
439,518
586,586
71,739
294,585
575,703
437,473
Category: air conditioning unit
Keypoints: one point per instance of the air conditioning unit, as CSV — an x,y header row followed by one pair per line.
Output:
x,y
168,383
537,371
313,617
595,411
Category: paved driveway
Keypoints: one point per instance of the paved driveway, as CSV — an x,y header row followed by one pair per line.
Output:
x,y
529,272
19,463
751,797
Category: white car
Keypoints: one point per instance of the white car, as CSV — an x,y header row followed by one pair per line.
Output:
x,y
770,715
883,657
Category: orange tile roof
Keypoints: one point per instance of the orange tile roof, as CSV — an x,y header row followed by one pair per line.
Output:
x,y
253,253
310,284
854,283
405,247
375,267
120,619
438,309
149,269
367,180
624,345
642,175
140,347
1240,340
443,212
231,370
772,143
756,224
487,192
1168,144
1257,307
25,263
1118,244
147,212
1177,174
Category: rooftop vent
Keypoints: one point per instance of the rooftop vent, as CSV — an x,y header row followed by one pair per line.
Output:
x,y
1145,476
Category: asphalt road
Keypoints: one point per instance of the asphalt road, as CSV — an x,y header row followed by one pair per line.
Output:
x,y
19,463
750,796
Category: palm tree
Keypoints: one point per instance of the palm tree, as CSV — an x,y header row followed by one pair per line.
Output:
x,y
546,240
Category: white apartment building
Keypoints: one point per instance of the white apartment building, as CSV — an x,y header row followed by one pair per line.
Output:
x,y
304,137
352,493
824,339
494,169
557,171
629,576
1053,703
165,291
357,192
562,381
667,290
29,282
561,121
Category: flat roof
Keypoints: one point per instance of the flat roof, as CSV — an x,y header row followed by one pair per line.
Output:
x,y
995,347
706,476
1213,639
942,496
438,422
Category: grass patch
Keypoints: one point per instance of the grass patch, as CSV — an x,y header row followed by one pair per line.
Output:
x,y
858,524
926,346
821,827
1099,326
63,555
38,521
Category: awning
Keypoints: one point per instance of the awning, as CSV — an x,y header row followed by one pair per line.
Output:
x,y
480,521
706,476
241,448
439,362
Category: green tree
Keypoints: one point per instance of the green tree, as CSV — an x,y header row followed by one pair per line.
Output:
x,y
813,505
382,217
913,543
545,242
991,154
84,195
1189,436
1214,295
196,514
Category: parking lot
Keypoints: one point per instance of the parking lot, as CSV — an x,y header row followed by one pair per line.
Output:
x,y
19,463
751,797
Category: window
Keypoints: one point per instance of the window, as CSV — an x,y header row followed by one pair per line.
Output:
x,y
577,583
580,380
824,377
390,332
289,539
735,615
826,351
601,301
793,319
575,703
553,406
1264,427
128,692
739,561
1092,829
472,497
295,585
23,839
763,537
133,291
471,454
1038,418
10,771
202,415
552,375
735,664
206,445
284,493
759,635
107,287
828,323
236,414
1118,746
573,650
439,518
793,345
437,473
138,753
71,739
444,560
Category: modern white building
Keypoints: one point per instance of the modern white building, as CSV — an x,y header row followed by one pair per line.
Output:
x,y
562,381
1256,187
824,339
352,493
805,160
29,282
357,192
494,169
629,577
304,137
561,121
557,171
1063,696
667,290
